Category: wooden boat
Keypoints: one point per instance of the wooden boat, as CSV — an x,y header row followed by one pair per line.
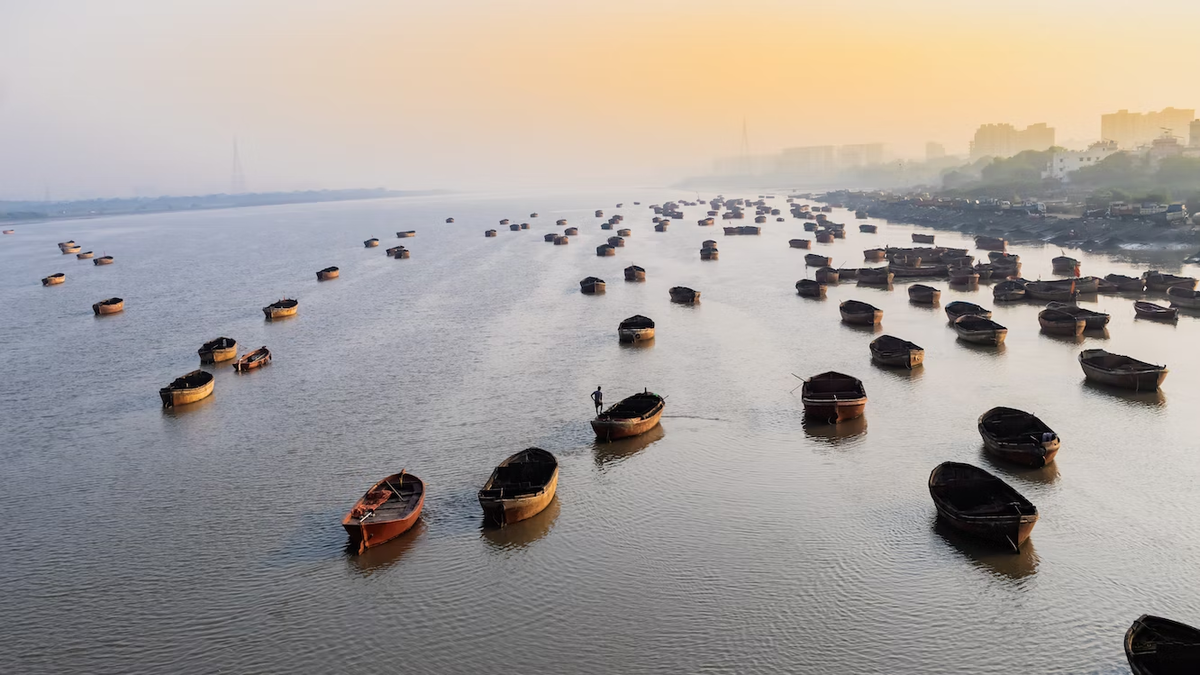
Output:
x,y
449,220
874,254
811,289
561,240
1126,284
103,260
625,233
599,213
391,252
251,360
1116,370
1058,322
847,273
54,279
1050,291
919,238
1064,264
1095,320
684,295
984,270
860,313
749,229
189,388
606,226
328,273
109,306
875,276
220,349
660,227
10,231
1150,310
605,250
634,415
979,330
514,227
710,253
1158,646
72,249
963,276
636,328
810,227
730,231
635,273
892,351
833,397
960,308
1105,286
520,487
923,295
409,233
800,243
86,255
990,243
488,233
1182,296
389,509
571,231
561,222
861,214
616,242
503,221
402,253
1083,285
1018,436
814,260
1008,291
371,243
591,285
978,503
826,275
824,237
281,308
869,229
917,271
549,237
709,243
1001,256
1159,282
66,244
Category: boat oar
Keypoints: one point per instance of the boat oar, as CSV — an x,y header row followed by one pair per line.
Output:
x,y
802,381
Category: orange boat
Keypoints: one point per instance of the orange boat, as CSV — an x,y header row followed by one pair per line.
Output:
x,y
389,509
255,359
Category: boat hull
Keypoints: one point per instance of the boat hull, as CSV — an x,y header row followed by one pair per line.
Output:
x,y
1007,530
1022,454
862,319
1068,328
218,355
1148,380
176,397
635,334
100,309
369,535
820,409
508,511
610,430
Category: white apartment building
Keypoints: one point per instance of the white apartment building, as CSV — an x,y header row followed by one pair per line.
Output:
x,y
1066,162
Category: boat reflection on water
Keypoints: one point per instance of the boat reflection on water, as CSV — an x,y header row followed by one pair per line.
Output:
x,y
1149,399
380,558
1046,475
859,328
903,374
611,452
983,349
835,434
522,533
1064,339
999,561
640,344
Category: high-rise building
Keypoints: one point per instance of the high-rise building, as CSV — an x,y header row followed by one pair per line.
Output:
x,y
1195,134
1134,130
1005,140
934,151
812,161
863,154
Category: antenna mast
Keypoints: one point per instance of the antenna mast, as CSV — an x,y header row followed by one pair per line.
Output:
x,y
237,180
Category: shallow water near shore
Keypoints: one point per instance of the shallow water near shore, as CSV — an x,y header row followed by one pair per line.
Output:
x,y
733,538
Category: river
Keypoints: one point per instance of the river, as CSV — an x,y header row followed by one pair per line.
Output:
x,y
734,538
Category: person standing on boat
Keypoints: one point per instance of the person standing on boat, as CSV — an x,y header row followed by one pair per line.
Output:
x,y
598,399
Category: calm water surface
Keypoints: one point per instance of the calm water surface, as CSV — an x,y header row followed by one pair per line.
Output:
x,y
734,538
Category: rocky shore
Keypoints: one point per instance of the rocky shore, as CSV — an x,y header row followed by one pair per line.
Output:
x,y
1087,233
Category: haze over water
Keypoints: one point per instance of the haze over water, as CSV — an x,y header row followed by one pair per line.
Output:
x,y
734,538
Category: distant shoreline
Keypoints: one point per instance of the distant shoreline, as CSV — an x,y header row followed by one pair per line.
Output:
x,y
15,213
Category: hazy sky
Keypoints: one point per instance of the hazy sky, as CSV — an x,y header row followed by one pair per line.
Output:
x,y
117,97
